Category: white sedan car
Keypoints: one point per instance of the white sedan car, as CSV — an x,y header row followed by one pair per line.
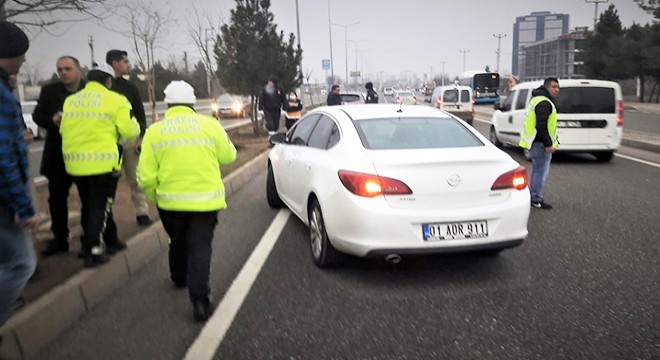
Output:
x,y
388,180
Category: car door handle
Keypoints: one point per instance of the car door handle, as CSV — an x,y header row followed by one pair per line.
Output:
x,y
510,119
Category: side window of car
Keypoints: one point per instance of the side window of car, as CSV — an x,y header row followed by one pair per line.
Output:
x,y
465,96
506,106
521,102
322,133
303,129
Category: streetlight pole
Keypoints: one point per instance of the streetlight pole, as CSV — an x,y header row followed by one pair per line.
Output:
x,y
298,28
356,57
332,62
499,41
596,2
442,80
346,43
464,52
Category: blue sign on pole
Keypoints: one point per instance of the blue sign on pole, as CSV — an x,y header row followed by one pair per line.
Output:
x,y
325,64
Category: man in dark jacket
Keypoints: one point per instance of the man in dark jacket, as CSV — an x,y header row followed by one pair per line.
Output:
x,y
118,60
271,101
17,215
334,98
48,114
372,96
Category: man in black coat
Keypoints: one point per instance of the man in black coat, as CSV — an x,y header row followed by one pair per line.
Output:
x,y
334,98
118,60
48,114
271,102
372,96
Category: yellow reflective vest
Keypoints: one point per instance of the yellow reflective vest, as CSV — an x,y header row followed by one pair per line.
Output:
x,y
179,167
93,120
529,131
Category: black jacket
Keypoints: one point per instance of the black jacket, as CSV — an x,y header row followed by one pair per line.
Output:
x,y
333,99
131,92
372,97
271,102
51,100
543,111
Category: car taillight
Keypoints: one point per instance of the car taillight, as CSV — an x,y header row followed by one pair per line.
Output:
x,y
473,104
514,179
438,103
369,185
619,107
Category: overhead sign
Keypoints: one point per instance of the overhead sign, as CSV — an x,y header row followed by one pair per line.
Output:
x,y
325,64
355,74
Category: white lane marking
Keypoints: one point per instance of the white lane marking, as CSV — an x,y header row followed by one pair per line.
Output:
x,y
638,160
209,339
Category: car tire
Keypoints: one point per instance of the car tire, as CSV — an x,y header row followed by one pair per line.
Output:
x,y
604,156
527,154
494,139
274,200
41,133
323,253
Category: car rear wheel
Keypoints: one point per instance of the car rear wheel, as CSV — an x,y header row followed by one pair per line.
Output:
x,y
323,253
604,156
272,196
493,137
527,155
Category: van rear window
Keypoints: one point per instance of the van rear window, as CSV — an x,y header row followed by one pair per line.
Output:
x,y
585,100
450,96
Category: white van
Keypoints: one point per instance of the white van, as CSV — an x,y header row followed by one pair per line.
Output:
x,y
589,116
456,100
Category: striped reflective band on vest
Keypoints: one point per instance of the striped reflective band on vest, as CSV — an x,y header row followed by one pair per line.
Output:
x,y
87,115
191,197
182,142
88,156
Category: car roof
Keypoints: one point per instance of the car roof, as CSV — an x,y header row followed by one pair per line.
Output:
x,y
375,111
569,83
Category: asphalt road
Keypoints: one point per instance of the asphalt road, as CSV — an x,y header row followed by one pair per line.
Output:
x,y
584,285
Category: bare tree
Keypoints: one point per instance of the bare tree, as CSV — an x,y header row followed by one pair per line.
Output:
x,y
146,27
203,30
308,74
44,13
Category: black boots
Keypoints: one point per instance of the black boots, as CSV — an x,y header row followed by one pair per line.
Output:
x,y
202,310
53,247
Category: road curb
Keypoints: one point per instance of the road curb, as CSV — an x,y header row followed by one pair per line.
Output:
x,y
644,145
32,328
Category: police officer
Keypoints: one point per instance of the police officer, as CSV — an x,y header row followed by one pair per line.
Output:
x,y
179,170
93,121
372,96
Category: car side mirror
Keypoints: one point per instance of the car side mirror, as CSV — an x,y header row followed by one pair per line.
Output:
x,y
279,138
497,106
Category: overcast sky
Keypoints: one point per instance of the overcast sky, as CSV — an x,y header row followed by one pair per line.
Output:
x,y
392,36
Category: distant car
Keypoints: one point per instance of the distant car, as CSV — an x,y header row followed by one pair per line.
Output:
x,y
388,91
456,100
387,180
28,109
353,97
226,106
405,97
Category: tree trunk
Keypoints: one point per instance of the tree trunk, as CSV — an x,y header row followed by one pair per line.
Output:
x,y
642,81
652,92
257,124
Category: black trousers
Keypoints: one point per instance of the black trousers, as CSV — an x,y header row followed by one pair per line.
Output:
x,y
97,195
191,234
58,204
272,119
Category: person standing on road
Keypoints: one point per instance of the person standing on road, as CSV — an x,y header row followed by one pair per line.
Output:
x,y
271,101
17,215
93,121
118,59
539,136
334,98
294,110
372,96
179,170
48,114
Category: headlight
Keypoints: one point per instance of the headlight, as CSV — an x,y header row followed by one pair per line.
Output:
x,y
237,107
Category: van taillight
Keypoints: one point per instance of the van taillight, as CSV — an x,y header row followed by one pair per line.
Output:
x,y
438,103
619,107
473,104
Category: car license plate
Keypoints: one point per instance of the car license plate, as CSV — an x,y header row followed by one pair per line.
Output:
x,y
455,230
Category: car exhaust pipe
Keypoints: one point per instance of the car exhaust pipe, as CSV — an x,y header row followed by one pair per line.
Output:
x,y
393,258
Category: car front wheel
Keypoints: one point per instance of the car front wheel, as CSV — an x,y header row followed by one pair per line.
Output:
x,y
493,137
274,200
323,253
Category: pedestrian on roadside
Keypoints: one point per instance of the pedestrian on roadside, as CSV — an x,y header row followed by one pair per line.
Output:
x,y
294,110
118,59
48,114
334,98
93,121
372,96
179,170
17,215
271,102
539,136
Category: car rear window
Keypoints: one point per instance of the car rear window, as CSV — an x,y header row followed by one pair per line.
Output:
x,y
585,100
405,94
350,98
450,96
414,133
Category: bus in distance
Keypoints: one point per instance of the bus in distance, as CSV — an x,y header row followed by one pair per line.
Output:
x,y
485,85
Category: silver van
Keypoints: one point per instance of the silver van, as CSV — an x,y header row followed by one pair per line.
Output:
x,y
456,100
589,116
